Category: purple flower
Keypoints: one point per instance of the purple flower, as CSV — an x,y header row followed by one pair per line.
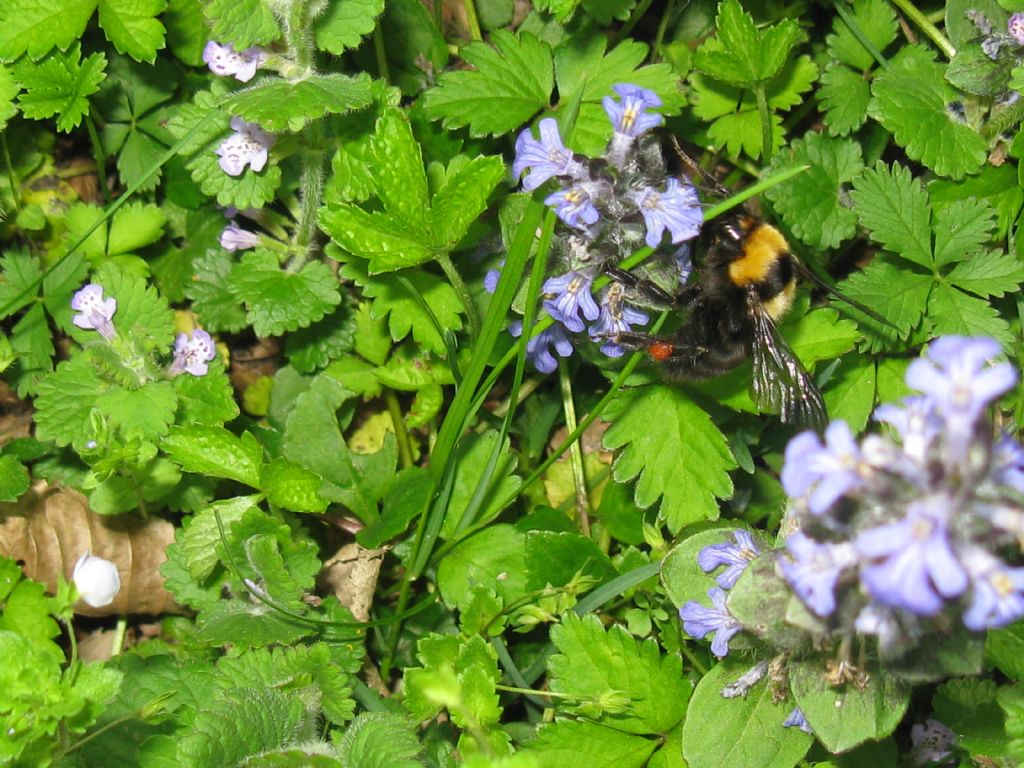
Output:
x,y
960,385
574,206
916,422
734,556
616,317
913,564
545,158
880,621
1015,26
570,295
825,472
699,621
225,60
537,348
234,238
630,117
997,595
796,719
248,145
931,743
676,209
191,355
1008,463
95,312
813,569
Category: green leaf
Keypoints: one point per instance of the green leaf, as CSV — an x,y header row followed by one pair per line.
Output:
x,y
962,231
206,399
685,462
135,226
953,312
212,294
14,479
325,340
463,197
844,96
132,26
557,558
970,708
898,294
416,48
186,31
142,312
277,105
343,25
211,450
850,394
742,55
278,300
876,20
988,274
200,538
494,557
391,299
19,273
508,84
290,486
809,203
60,84
8,90
744,730
894,208
591,662
37,26
402,503
145,413
314,441
910,99
64,401
384,240
849,716
474,452
379,740
581,742
243,23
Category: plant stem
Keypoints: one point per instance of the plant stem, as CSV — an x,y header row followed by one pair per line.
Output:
x,y
766,122
12,176
670,8
101,158
579,478
445,261
472,20
911,12
381,53
311,190
401,433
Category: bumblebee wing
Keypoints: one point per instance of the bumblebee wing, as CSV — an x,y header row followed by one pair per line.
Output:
x,y
781,384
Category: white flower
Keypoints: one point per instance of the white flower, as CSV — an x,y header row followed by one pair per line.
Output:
x,y
97,580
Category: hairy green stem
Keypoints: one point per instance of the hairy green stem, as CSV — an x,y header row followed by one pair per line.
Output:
x,y
311,187
930,30
445,262
579,478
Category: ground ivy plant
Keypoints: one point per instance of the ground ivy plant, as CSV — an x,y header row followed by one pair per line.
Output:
x,y
323,441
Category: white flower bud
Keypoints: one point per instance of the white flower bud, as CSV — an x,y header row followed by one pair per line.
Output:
x,y
97,580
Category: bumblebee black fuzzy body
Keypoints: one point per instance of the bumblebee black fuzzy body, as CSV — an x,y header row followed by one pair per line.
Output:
x,y
745,284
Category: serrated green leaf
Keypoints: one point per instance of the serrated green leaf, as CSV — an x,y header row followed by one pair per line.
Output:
x,y
897,293
742,55
145,413
399,179
278,300
894,207
65,399
962,231
810,202
324,341
142,313
200,539
509,84
19,273
343,24
277,105
844,96
135,226
850,394
186,30
459,203
211,292
212,450
379,740
753,723
290,486
909,99
591,661
473,455
59,84
876,20
495,557
953,312
385,241
8,90
243,23
970,706
207,399
132,26
14,479
582,742
988,274
37,26
685,462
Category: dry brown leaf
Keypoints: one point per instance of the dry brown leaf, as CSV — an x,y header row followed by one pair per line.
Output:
x,y
48,529
352,575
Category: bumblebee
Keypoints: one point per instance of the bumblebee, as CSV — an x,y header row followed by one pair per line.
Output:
x,y
745,284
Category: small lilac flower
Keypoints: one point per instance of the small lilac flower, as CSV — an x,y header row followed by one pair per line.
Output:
x,y
537,348
616,317
699,621
191,355
825,472
916,422
997,595
684,262
1015,26
95,312
880,621
248,145
570,295
574,206
931,743
676,209
1008,463
225,60
914,566
813,569
736,556
234,238
796,719
630,117
545,158
959,383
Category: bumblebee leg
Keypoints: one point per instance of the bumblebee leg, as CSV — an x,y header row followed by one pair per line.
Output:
x,y
649,291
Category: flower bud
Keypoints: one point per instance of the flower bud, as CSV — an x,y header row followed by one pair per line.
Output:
x,y
97,580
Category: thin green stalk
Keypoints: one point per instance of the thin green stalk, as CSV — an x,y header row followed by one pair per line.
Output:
x,y
857,32
634,19
120,632
311,191
670,8
764,111
930,30
12,176
472,20
300,39
445,262
380,52
579,478
101,158
401,433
